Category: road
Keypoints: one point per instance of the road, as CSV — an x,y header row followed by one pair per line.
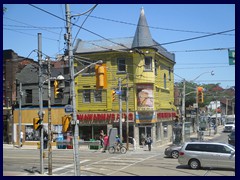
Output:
x,y
95,163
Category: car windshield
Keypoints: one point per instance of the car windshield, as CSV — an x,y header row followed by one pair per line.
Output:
x,y
232,146
230,123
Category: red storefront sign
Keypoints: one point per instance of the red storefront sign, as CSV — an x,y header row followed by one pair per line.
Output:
x,y
103,116
163,115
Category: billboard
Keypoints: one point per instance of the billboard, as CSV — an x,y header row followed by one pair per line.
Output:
x,y
145,99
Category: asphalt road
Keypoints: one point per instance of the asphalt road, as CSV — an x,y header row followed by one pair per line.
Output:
x,y
26,162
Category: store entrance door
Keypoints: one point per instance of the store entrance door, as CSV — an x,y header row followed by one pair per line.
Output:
x,y
143,132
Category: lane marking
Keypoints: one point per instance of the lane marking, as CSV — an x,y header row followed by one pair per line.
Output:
x,y
69,165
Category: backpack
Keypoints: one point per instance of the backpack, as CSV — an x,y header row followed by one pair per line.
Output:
x,y
149,140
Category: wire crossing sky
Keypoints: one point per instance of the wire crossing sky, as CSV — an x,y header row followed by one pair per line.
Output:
x,y
198,34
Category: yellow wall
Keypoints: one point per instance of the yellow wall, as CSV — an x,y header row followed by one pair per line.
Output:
x,y
135,68
30,113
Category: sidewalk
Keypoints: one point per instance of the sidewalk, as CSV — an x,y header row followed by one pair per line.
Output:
x,y
206,135
193,136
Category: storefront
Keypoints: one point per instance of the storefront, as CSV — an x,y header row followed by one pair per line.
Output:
x,y
92,123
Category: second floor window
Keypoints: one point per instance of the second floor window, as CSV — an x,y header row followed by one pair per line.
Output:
x,y
165,81
28,95
121,65
148,64
86,96
97,96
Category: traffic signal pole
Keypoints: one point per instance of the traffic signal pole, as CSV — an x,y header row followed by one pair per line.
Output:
x,y
74,122
183,110
40,113
120,106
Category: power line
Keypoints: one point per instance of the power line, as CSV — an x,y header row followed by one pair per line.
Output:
x,y
168,29
157,44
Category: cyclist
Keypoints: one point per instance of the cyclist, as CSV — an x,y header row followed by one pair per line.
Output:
x,y
117,142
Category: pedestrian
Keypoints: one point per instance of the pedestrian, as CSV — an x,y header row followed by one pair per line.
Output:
x,y
149,142
134,144
143,139
105,142
101,136
21,138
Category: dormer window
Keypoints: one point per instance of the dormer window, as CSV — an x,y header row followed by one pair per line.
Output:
x,y
148,64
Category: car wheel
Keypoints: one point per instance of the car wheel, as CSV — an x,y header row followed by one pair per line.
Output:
x,y
194,164
175,154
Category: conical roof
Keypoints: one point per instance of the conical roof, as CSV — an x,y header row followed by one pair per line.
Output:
x,y
142,37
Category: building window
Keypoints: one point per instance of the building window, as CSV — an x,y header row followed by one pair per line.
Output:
x,y
89,70
148,64
155,67
28,95
124,94
31,134
97,95
87,96
169,74
165,81
121,65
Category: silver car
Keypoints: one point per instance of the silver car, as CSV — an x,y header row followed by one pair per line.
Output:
x,y
207,154
173,151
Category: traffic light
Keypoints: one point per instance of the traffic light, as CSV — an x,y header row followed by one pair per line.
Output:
x,y
58,91
200,94
113,93
36,123
66,122
101,76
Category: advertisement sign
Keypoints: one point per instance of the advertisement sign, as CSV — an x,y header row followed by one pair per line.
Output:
x,y
145,99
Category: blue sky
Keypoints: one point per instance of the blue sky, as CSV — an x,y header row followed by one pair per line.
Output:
x,y
168,23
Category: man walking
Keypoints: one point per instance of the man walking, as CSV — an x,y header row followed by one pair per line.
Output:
x,y
149,142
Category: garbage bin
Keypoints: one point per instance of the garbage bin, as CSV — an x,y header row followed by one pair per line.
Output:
x,y
60,144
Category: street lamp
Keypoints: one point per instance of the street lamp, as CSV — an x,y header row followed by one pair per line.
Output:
x,y
183,103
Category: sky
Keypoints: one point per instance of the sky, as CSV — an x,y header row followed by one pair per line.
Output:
x,y
180,28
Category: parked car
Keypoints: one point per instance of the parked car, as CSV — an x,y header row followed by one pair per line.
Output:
x,y
207,154
229,126
231,138
173,151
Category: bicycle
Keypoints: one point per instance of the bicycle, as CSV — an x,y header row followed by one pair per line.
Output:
x,y
117,148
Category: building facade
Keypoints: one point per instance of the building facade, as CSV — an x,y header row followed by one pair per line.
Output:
x,y
137,66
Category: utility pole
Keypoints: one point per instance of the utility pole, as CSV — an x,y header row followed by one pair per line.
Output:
x,y
216,122
49,120
40,113
120,106
74,122
127,115
20,113
183,111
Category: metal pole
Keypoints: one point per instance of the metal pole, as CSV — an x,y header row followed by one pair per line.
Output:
x,y
216,123
183,111
74,122
226,106
197,119
40,100
20,114
120,106
127,115
49,121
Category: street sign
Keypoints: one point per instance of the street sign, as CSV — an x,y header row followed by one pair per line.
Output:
x,y
118,92
68,108
231,56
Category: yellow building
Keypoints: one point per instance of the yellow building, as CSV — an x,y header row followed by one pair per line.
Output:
x,y
137,65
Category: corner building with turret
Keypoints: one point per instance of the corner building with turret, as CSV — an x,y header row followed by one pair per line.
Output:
x,y
138,66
